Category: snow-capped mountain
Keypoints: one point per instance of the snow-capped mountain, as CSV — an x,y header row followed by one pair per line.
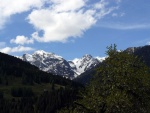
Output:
x,y
57,65
50,62
83,64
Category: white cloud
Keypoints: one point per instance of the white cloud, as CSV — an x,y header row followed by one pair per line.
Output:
x,y
16,49
65,19
70,5
60,26
22,40
11,7
55,20
102,9
101,4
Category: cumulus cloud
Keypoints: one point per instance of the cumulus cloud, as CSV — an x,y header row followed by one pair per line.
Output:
x,y
22,40
60,26
11,7
16,49
65,19
56,20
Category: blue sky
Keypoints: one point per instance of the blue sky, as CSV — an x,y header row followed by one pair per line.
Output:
x,y
72,28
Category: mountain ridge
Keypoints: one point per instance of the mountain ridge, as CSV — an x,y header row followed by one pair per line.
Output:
x,y
52,63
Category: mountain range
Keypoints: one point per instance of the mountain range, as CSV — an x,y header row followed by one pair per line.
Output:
x,y
57,65
52,63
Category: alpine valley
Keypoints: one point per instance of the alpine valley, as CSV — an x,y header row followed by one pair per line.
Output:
x,y
26,88
52,63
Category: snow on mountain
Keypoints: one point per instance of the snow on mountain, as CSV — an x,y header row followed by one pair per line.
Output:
x,y
52,63
101,59
85,63
28,57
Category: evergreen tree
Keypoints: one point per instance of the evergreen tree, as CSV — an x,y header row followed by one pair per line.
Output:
x,y
121,85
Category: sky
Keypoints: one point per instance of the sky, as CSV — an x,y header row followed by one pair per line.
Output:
x,y
73,28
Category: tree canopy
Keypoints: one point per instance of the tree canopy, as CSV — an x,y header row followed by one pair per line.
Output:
x,y
121,85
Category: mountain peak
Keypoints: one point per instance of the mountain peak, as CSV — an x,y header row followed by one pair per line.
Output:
x,y
41,52
87,55
85,63
49,62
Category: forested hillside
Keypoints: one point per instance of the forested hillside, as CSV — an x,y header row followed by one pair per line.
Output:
x,y
14,67
26,89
